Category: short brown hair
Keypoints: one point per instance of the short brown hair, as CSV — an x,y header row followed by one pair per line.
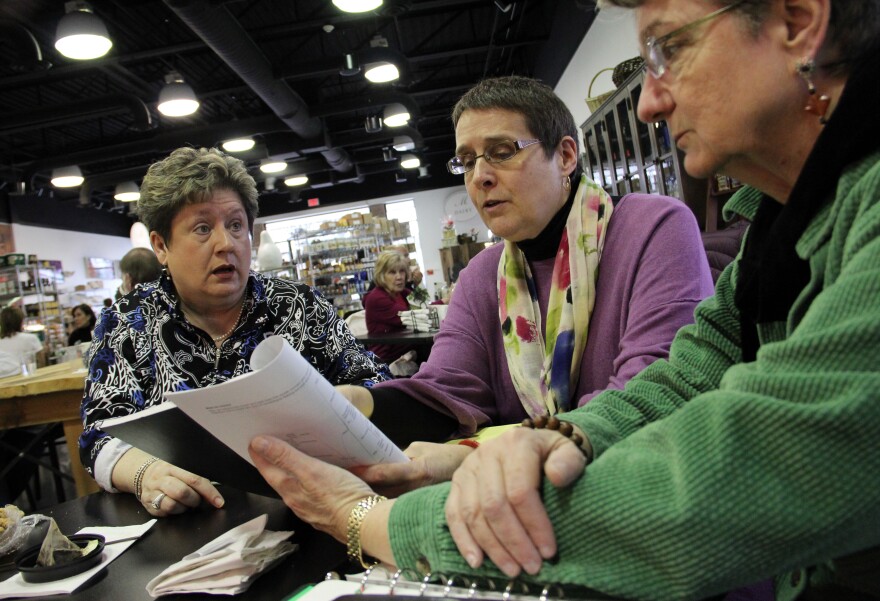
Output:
x,y
141,265
545,114
190,176
11,319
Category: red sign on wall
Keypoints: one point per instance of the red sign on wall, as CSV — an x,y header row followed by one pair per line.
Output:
x,y
314,202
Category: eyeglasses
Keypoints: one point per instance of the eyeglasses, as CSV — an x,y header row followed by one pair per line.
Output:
x,y
497,153
658,54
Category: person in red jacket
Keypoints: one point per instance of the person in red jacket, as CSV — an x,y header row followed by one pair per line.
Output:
x,y
383,302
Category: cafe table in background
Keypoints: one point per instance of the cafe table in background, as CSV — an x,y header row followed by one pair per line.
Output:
x,y
51,394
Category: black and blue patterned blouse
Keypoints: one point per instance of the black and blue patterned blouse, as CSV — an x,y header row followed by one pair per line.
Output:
x,y
144,347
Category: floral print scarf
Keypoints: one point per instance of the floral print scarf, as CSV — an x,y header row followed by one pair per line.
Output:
x,y
545,368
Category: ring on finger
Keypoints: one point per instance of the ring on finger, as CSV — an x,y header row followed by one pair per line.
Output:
x,y
157,502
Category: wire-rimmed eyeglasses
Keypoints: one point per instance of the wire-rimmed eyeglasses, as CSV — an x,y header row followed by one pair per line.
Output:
x,y
658,55
497,153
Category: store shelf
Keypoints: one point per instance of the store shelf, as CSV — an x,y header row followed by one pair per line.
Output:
x,y
33,288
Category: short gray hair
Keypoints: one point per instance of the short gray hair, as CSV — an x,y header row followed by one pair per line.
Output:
x,y
190,176
853,28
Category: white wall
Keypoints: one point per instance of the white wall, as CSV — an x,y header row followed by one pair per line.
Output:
x,y
430,209
611,40
71,248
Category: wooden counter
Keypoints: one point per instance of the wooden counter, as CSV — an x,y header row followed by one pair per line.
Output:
x,y
52,394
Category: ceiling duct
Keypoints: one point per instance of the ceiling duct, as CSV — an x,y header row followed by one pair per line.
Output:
x,y
75,112
216,26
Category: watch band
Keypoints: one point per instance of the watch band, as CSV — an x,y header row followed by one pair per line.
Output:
x,y
355,521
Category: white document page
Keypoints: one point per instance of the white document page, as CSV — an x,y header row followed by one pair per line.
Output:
x,y
287,398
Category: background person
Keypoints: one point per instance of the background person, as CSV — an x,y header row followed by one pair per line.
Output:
x,y
17,343
382,303
82,324
198,324
138,266
749,452
637,280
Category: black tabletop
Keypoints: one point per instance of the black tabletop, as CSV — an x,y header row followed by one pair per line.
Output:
x,y
405,337
175,536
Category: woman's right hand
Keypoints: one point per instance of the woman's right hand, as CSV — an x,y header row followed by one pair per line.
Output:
x,y
431,463
176,489
182,490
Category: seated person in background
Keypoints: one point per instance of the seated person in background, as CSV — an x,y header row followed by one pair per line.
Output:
x,y
382,303
15,342
82,325
138,266
754,450
198,324
591,292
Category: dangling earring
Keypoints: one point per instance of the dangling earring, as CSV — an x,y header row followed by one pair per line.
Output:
x,y
817,104
566,183
165,272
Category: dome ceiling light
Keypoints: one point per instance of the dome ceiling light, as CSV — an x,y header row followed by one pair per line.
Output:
x,y
177,98
357,6
238,145
395,115
410,161
67,177
270,166
296,180
127,192
81,35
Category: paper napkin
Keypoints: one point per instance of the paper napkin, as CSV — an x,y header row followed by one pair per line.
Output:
x,y
228,564
116,540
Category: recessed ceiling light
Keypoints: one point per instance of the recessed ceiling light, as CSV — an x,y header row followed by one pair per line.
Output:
x,y
357,6
238,145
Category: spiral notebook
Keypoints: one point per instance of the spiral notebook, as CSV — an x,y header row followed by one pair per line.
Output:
x,y
389,587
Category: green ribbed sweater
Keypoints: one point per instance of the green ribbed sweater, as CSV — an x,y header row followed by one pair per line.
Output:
x,y
712,473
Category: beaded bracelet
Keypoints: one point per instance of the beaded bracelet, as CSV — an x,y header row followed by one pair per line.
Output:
x,y
542,422
139,476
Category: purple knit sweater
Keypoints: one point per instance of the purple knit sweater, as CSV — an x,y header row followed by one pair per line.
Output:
x,y
652,274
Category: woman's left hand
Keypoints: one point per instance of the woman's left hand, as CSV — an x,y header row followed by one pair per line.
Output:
x,y
319,493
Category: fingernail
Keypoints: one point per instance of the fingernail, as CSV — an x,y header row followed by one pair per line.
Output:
x,y
472,560
532,567
260,444
547,552
218,501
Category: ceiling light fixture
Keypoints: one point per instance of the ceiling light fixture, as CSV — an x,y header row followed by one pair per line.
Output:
x,y
399,177
81,35
388,155
297,180
67,177
127,192
350,66
177,98
410,161
270,166
382,72
395,115
238,145
373,124
403,143
357,6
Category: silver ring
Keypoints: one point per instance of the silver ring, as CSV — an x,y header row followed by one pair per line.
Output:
x,y
157,502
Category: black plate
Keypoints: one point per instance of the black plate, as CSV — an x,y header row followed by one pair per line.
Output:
x,y
30,572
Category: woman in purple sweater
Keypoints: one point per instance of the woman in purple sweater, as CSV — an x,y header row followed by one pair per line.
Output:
x,y
583,294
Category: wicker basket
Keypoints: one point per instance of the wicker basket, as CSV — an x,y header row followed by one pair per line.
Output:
x,y
594,102
625,69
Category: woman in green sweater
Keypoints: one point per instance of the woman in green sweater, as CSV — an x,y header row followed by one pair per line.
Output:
x,y
754,450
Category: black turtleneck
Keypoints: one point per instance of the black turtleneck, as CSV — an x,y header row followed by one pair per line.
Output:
x,y
545,244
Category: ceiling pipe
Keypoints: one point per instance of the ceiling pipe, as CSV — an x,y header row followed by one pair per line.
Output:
x,y
383,138
47,116
111,178
19,48
374,100
216,26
